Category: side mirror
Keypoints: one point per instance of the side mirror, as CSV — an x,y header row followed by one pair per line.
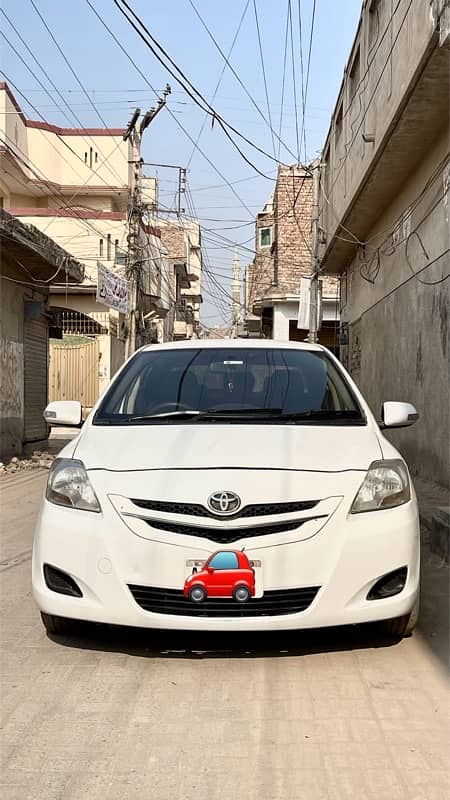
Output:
x,y
64,412
398,415
210,569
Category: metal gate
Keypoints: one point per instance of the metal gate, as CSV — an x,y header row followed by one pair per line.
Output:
x,y
35,378
74,372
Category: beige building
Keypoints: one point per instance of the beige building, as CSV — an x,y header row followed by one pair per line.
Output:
x,y
182,242
74,185
384,220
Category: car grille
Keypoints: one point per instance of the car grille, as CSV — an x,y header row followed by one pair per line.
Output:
x,y
255,510
273,603
227,535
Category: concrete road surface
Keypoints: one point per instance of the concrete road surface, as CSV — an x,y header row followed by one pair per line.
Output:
x,y
333,715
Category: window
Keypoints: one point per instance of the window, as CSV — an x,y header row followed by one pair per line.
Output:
x,y
355,73
85,158
101,248
96,157
224,560
265,237
236,382
108,247
116,249
90,157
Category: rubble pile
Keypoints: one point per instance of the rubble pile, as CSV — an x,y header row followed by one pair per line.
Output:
x,y
38,459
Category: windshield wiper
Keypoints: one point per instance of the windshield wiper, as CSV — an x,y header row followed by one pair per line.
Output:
x,y
186,414
323,414
206,414
242,412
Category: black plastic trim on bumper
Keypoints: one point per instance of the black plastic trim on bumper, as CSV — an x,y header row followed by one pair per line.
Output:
x,y
60,582
273,603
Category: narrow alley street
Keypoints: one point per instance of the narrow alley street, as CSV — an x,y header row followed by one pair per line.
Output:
x,y
119,713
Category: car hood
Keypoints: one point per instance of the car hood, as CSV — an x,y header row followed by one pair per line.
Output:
x,y
212,446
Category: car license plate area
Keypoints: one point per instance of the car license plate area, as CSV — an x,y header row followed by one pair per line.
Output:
x,y
192,564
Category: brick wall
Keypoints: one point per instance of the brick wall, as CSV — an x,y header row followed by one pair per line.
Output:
x,y
292,212
260,274
173,239
277,271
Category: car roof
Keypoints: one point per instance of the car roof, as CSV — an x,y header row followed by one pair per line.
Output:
x,y
247,344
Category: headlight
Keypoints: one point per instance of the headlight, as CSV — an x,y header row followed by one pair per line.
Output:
x,y
68,485
386,485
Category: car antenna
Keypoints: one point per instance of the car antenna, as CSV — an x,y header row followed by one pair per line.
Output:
x,y
242,549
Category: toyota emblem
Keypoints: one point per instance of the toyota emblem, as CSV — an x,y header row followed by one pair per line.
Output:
x,y
224,502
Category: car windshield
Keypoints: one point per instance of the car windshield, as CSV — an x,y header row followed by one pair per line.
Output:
x,y
211,385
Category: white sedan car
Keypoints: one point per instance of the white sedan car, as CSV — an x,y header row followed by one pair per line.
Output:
x,y
229,486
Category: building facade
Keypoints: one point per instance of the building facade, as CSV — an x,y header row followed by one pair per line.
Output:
x,y
28,260
282,258
384,220
74,184
182,242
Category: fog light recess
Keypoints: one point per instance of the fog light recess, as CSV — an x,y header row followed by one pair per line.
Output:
x,y
59,581
389,585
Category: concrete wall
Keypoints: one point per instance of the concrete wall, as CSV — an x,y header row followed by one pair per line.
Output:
x,y
399,327
65,165
388,50
282,314
82,240
112,356
12,299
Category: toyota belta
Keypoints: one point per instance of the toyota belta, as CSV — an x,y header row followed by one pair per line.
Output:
x,y
247,446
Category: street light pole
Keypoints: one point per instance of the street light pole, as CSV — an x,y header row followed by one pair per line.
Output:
x,y
314,284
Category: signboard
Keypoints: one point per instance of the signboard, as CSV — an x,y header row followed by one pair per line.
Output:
x,y
304,304
112,291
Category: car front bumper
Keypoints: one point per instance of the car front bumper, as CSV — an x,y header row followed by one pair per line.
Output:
x,y
345,559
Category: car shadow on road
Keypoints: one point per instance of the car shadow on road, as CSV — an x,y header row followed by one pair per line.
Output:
x,y
166,644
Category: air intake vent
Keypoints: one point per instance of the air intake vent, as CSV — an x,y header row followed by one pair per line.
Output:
x,y
273,603
227,535
255,510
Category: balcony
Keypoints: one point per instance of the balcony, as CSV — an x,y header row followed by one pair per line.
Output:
x,y
387,117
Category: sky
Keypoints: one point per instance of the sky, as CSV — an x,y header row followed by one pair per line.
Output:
x,y
115,85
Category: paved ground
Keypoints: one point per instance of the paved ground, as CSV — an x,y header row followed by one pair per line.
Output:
x,y
332,715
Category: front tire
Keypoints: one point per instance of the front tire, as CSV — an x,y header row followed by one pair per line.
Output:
x,y
403,626
59,626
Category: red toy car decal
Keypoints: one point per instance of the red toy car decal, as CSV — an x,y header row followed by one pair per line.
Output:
x,y
226,573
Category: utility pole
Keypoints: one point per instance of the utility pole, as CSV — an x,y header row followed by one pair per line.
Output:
x,y
314,284
135,262
236,295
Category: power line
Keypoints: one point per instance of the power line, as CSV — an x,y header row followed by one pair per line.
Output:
x,y
307,71
294,83
300,29
46,90
240,81
350,144
284,80
173,116
66,60
185,83
264,77
220,78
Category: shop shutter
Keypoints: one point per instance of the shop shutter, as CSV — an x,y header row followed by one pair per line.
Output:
x,y
35,378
